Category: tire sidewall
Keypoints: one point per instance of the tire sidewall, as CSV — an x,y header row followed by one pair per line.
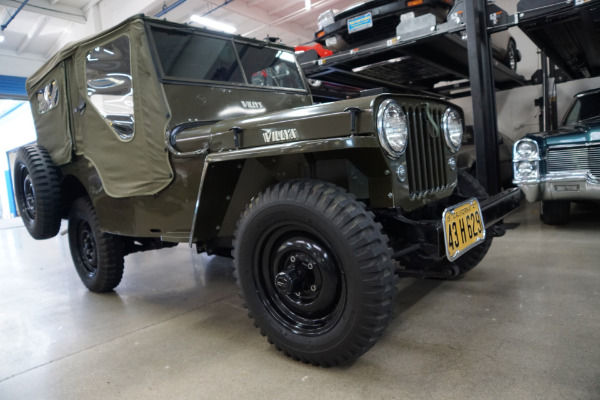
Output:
x,y
34,161
511,55
81,213
20,172
289,210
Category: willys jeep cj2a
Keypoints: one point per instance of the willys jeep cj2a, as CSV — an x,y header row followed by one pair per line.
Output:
x,y
155,133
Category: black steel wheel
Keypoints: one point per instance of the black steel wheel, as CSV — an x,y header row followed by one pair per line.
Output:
x,y
555,212
315,271
37,191
98,256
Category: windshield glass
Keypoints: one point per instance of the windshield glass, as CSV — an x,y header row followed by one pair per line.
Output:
x,y
269,67
187,55
583,108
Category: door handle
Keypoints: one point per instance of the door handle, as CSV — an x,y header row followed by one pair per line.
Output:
x,y
80,108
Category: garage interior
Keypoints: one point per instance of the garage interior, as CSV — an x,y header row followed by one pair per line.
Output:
x,y
523,324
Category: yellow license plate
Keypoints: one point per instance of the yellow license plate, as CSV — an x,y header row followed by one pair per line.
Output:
x,y
463,228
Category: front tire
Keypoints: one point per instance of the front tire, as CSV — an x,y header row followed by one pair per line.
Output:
x,y
98,256
315,271
37,191
555,212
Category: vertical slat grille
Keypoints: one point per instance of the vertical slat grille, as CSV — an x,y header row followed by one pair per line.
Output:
x,y
574,159
425,154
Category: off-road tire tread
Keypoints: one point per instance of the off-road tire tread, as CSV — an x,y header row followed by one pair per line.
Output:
x,y
372,252
45,177
109,249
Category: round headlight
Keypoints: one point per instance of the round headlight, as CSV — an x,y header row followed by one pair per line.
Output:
x,y
452,126
392,127
524,168
526,149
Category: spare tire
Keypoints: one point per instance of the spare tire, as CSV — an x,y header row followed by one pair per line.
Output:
x,y
37,191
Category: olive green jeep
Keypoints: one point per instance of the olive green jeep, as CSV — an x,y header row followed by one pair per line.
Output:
x,y
155,133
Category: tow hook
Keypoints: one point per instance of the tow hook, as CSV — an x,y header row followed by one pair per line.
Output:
x,y
497,230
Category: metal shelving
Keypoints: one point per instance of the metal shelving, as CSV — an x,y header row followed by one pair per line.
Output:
x,y
453,59
416,62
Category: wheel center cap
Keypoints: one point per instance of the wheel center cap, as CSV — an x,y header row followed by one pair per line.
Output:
x,y
289,281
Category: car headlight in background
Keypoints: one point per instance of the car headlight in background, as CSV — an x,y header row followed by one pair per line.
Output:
x,y
526,170
392,127
452,126
526,160
526,149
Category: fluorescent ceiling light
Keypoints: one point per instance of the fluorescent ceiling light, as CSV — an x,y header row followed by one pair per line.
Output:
x,y
307,5
1,36
212,24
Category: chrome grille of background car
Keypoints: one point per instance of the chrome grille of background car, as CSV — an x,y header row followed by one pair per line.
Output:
x,y
573,159
425,154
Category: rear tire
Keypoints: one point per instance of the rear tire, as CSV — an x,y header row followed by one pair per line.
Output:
x,y
555,212
37,191
98,256
315,272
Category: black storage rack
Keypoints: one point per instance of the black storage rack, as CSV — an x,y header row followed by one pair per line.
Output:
x,y
567,31
416,62
437,61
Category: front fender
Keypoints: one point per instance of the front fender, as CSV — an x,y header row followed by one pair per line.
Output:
x,y
230,179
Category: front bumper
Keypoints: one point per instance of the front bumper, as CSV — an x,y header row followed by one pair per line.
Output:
x,y
427,236
574,185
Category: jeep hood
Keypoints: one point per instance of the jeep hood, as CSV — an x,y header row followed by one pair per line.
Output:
x,y
313,122
321,121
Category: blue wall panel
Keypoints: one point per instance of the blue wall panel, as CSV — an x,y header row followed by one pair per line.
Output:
x,y
11,197
12,87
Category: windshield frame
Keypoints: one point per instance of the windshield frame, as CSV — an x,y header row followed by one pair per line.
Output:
x,y
578,98
164,78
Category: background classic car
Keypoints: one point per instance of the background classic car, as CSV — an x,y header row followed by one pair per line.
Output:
x,y
560,166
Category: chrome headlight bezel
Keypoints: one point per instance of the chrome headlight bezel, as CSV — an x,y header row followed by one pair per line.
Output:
x,y
393,139
453,129
526,150
526,161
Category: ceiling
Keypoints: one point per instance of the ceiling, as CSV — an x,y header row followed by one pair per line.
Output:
x,y
42,27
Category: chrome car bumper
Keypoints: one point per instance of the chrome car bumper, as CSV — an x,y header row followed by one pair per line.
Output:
x,y
572,185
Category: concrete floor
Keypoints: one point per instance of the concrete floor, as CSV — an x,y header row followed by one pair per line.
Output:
x,y
525,324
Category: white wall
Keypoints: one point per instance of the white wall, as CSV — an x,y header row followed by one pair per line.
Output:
x,y
517,114
16,129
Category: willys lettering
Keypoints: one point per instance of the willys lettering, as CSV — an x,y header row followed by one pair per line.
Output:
x,y
252,104
280,136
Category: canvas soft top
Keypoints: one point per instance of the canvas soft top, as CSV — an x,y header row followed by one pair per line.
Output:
x,y
71,48
68,51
